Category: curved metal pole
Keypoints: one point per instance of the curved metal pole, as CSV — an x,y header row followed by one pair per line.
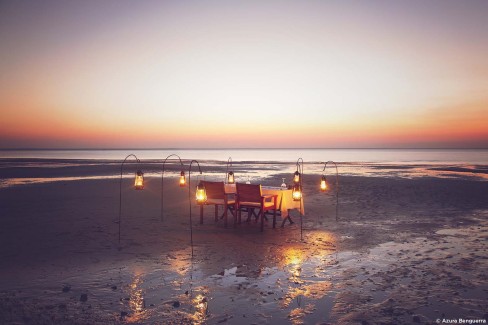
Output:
x,y
300,161
337,186
120,193
162,180
189,202
227,168
300,170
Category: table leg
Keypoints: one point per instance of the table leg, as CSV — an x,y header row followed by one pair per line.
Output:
x,y
225,215
287,218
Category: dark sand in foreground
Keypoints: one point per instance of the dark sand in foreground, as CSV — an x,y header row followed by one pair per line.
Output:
x,y
403,251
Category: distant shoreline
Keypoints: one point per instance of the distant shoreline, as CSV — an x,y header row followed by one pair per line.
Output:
x,y
316,155
22,171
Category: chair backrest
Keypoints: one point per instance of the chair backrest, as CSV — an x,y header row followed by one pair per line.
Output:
x,y
215,190
248,192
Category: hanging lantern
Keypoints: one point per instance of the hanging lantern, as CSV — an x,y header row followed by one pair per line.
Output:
x,y
323,184
139,181
201,194
296,177
297,193
230,178
182,179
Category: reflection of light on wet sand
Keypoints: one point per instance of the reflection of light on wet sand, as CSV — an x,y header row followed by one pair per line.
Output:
x,y
138,311
8,182
302,261
293,259
262,171
406,170
179,261
297,314
315,290
201,308
319,246
293,256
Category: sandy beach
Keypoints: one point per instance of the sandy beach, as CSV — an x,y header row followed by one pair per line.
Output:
x,y
404,250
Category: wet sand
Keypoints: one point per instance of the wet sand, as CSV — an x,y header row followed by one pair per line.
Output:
x,y
402,251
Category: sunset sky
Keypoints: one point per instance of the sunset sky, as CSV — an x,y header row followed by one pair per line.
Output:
x,y
238,74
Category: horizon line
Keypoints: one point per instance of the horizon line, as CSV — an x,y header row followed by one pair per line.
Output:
x,y
260,148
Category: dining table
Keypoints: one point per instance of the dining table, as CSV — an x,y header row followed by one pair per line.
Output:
x,y
285,201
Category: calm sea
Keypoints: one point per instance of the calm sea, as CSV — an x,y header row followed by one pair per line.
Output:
x,y
434,156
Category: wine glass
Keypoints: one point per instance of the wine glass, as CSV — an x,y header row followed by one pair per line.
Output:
x,y
283,185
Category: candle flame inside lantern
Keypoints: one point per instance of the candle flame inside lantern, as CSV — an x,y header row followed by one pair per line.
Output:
x,y
201,194
182,179
139,181
297,193
323,184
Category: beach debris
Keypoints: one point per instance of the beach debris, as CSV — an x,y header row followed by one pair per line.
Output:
x,y
231,271
113,288
83,297
176,304
66,288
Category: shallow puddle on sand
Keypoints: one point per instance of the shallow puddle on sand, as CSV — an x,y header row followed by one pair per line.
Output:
x,y
292,291
416,280
177,289
8,182
308,283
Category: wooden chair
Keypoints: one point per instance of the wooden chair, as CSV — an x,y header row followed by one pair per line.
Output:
x,y
250,197
216,196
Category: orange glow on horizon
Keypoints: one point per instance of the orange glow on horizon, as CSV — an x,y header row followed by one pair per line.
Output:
x,y
383,133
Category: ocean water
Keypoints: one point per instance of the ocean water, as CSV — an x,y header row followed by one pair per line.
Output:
x,y
252,165
394,156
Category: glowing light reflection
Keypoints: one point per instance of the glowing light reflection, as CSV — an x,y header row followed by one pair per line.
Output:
x,y
137,306
200,303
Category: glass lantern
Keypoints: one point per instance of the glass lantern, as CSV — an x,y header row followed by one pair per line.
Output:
x,y
297,193
139,180
201,194
182,179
